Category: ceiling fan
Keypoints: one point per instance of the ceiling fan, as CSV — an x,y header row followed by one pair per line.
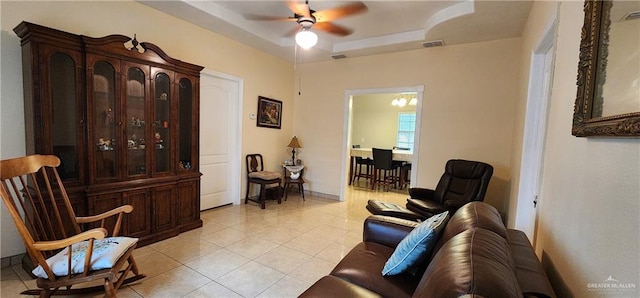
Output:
x,y
308,18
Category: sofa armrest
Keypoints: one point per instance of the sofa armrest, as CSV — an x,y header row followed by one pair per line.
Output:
x,y
531,275
421,193
387,230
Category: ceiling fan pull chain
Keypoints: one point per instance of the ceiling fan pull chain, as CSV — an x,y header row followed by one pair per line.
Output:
x,y
295,66
295,57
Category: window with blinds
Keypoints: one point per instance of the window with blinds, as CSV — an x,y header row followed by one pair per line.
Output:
x,y
406,129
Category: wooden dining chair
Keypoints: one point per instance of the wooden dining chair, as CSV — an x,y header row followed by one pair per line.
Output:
x,y
257,175
367,163
63,255
384,170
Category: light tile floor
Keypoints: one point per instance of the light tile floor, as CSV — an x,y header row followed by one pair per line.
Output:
x,y
244,251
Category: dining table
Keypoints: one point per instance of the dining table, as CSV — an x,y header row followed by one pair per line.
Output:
x,y
402,155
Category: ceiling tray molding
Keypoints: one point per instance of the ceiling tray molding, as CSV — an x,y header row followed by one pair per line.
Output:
x,y
379,41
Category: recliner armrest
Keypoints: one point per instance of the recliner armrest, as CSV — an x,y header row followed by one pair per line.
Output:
x,y
387,230
421,193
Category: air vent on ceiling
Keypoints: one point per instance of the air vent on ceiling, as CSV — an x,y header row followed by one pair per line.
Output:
x,y
634,15
433,43
339,56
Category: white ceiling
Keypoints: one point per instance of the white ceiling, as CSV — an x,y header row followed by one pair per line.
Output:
x,y
387,26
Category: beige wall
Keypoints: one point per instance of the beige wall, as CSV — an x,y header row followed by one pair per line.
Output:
x,y
589,216
467,110
262,74
375,120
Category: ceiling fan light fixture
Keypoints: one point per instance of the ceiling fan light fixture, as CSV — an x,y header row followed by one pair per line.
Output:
x,y
306,39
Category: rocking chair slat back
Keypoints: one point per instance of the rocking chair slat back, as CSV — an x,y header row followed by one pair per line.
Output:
x,y
33,182
38,203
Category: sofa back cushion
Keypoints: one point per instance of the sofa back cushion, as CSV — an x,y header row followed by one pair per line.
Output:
x,y
476,262
472,215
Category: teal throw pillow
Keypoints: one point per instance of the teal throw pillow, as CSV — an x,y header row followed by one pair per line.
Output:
x,y
416,246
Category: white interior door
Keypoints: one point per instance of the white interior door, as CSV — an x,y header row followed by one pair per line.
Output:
x,y
219,139
540,84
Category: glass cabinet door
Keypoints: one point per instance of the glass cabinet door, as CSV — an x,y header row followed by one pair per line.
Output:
x,y
162,126
105,110
185,115
65,130
135,131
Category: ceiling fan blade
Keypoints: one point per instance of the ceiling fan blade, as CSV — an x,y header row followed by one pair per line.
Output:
x,y
333,28
328,15
256,17
299,8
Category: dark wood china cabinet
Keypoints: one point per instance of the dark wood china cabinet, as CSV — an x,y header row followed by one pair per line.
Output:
x,y
123,119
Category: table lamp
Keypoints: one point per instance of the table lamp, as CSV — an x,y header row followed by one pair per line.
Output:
x,y
293,145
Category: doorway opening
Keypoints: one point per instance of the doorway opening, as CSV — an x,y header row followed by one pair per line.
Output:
x,y
381,118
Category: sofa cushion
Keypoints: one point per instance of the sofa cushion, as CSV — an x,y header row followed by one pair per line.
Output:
x,y
417,246
331,286
476,262
472,215
362,266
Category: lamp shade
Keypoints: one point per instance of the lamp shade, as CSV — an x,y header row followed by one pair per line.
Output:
x,y
306,39
294,143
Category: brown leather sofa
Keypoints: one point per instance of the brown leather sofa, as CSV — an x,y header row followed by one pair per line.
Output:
x,y
476,256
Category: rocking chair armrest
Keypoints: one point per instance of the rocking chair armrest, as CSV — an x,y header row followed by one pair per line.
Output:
x,y
115,211
97,233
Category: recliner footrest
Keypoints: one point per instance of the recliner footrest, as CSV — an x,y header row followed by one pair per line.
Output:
x,y
390,209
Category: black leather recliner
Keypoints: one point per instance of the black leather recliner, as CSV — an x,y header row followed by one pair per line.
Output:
x,y
463,181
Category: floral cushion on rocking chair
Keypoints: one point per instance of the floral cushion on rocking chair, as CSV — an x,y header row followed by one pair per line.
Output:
x,y
106,253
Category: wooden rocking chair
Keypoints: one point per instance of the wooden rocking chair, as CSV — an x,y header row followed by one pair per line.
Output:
x,y
37,201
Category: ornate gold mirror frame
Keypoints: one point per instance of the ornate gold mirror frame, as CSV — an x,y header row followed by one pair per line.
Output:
x,y
588,119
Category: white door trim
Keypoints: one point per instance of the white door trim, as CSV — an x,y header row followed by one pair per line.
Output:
x,y
235,125
535,126
346,129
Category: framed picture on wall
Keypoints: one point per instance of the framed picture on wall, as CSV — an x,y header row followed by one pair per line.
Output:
x,y
269,112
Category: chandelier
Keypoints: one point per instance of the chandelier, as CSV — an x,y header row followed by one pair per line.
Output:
x,y
403,99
